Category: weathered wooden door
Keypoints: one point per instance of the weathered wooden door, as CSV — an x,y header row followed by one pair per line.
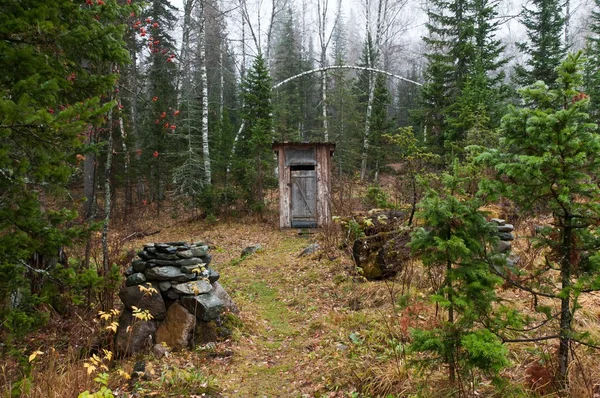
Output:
x,y
304,197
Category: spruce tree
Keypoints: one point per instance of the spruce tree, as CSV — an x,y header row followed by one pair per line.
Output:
x,y
545,25
453,241
463,52
592,64
343,119
57,63
160,99
288,100
254,156
548,163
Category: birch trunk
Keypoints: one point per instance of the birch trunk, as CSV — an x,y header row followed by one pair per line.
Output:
x,y
373,62
365,149
125,166
204,82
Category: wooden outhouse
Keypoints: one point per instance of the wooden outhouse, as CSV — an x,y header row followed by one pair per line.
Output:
x,y
304,183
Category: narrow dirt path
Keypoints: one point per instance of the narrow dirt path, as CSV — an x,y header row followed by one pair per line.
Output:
x,y
284,299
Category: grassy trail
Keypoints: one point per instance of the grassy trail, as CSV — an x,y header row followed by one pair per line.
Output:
x,y
280,296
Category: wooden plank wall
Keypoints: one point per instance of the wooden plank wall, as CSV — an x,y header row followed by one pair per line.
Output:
x,y
323,185
285,192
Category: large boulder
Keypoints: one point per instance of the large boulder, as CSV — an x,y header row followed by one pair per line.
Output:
x,y
206,307
133,334
144,297
228,303
177,328
382,255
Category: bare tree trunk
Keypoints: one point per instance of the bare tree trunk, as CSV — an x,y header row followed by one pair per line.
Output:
x,y
89,179
566,315
140,185
221,82
89,191
106,304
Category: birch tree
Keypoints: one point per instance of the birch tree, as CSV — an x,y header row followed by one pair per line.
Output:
x,y
324,40
204,84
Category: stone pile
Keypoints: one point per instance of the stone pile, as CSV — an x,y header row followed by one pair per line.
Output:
x,y
174,283
505,234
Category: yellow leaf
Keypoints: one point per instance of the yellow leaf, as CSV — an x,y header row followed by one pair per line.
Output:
x,y
34,355
90,368
107,354
124,374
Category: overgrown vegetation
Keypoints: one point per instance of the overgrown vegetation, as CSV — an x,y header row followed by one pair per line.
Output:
x,y
115,129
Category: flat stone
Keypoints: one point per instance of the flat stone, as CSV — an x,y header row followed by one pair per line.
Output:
x,y
188,261
189,269
164,286
498,221
199,243
310,249
148,245
168,273
145,255
178,243
161,245
192,288
138,265
151,250
173,295
503,246
177,329
206,259
199,251
152,301
213,275
163,248
341,347
506,236
185,254
506,228
155,262
135,279
129,271
167,256
251,250
206,307
228,303
183,248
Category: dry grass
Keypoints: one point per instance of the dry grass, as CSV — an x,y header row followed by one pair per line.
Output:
x,y
309,326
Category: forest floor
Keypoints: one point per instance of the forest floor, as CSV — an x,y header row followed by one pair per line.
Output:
x,y
308,327
297,324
